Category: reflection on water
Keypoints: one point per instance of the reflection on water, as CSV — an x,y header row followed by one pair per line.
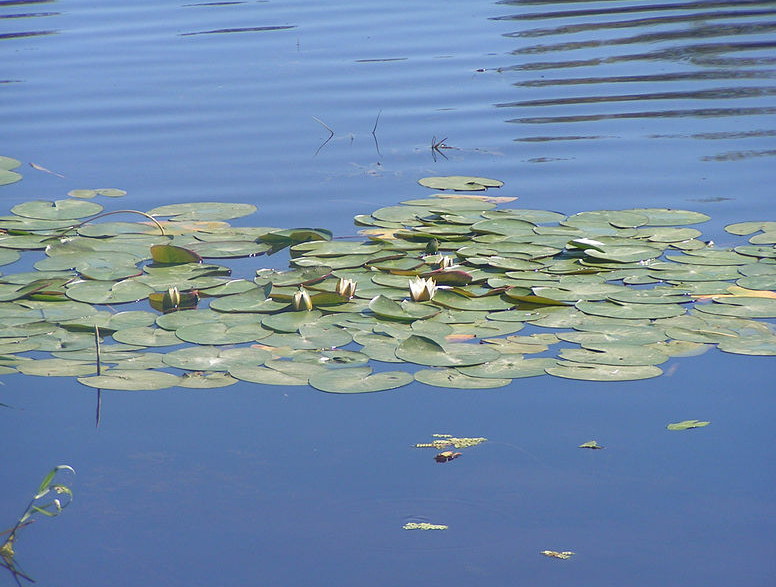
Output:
x,y
254,29
686,56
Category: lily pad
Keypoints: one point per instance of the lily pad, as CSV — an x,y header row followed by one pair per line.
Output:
x,y
359,380
687,425
146,336
460,183
200,380
265,376
423,350
405,311
509,366
453,378
57,210
213,359
630,311
108,292
204,211
594,372
131,380
614,354
6,175
57,368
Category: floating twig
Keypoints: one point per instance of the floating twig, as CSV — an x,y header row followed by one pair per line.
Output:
x,y
44,170
437,146
374,136
326,126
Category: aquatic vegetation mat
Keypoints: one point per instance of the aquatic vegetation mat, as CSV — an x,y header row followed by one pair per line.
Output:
x,y
434,290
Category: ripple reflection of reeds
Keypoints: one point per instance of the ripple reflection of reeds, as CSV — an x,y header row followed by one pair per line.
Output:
x,y
20,14
580,62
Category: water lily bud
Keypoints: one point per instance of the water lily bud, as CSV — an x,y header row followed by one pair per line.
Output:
x,y
422,290
346,288
171,299
302,300
446,262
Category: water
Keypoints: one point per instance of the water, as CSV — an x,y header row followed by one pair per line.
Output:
x,y
575,106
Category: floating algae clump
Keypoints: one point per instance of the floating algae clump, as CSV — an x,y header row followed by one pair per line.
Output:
x,y
424,526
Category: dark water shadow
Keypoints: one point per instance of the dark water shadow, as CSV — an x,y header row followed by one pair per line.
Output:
x,y
255,29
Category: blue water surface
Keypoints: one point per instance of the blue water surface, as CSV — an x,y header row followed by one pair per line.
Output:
x,y
575,105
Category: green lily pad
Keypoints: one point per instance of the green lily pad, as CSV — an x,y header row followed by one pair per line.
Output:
x,y
290,321
509,366
206,380
57,368
204,211
742,228
453,378
108,292
740,307
614,354
687,425
630,311
603,218
251,301
594,372
216,333
404,311
669,217
6,175
8,256
146,336
173,255
265,376
213,359
229,249
57,210
131,380
423,350
460,183
91,193
750,345
359,380
137,361
454,301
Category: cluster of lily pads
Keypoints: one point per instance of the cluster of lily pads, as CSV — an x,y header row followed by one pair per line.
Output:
x,y
435,290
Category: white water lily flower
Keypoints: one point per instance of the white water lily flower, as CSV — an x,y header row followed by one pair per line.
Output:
x,y
422,290
302,300
346,288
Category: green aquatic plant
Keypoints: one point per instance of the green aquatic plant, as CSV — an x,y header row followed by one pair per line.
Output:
x,y
687,425
603,295
7,164
41,504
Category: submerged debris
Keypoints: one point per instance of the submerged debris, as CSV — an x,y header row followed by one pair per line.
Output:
x,y
446,456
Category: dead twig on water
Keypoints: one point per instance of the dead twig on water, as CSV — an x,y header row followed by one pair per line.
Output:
x,y
374,136
437,146
326,126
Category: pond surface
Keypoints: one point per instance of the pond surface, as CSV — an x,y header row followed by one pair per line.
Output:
x,y
575,106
